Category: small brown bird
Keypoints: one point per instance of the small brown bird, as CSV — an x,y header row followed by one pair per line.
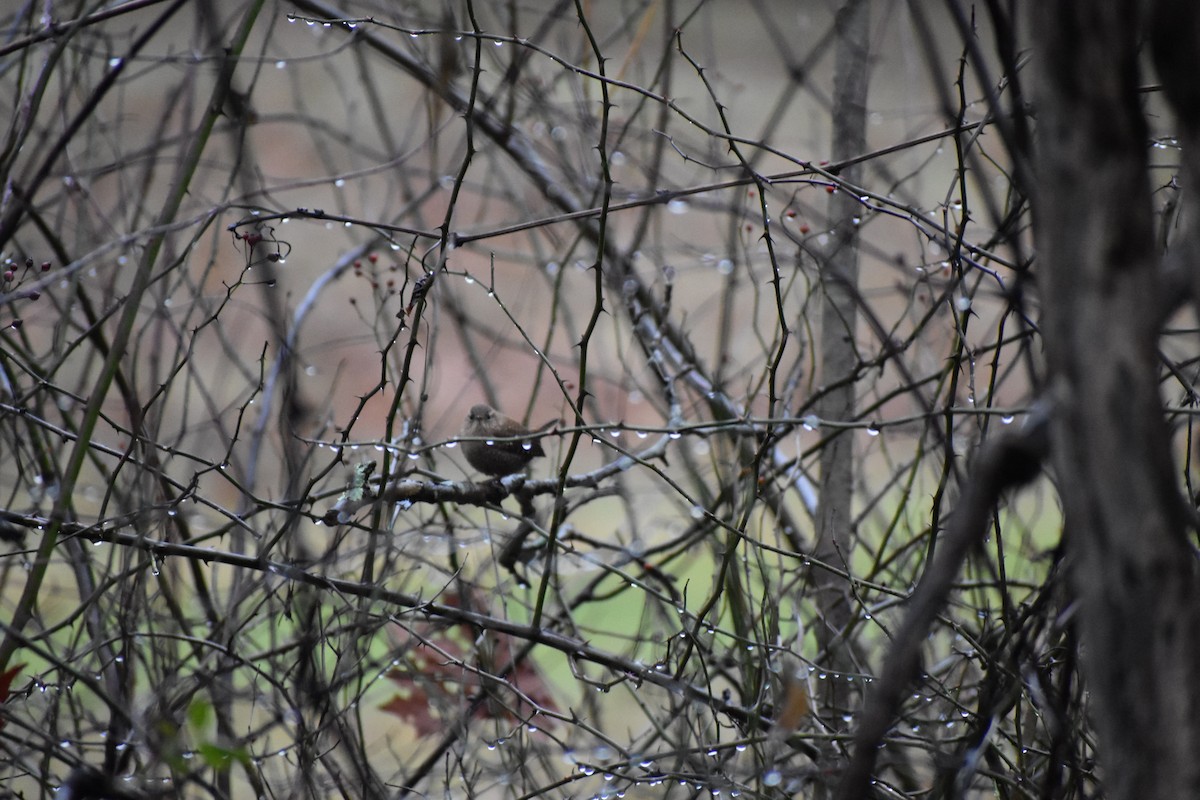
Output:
x,y
499,449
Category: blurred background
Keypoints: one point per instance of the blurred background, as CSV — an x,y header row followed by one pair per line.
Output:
x,y
766,263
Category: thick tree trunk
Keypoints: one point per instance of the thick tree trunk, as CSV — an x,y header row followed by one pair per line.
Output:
x,y
839,320
1132,569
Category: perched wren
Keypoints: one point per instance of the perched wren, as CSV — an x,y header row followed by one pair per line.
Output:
x,y
499,449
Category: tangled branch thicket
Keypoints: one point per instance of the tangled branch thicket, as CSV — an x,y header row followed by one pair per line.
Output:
x,y
262,257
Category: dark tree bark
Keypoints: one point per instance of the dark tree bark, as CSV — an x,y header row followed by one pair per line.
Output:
x,y
1106,292
1132,570
839,321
